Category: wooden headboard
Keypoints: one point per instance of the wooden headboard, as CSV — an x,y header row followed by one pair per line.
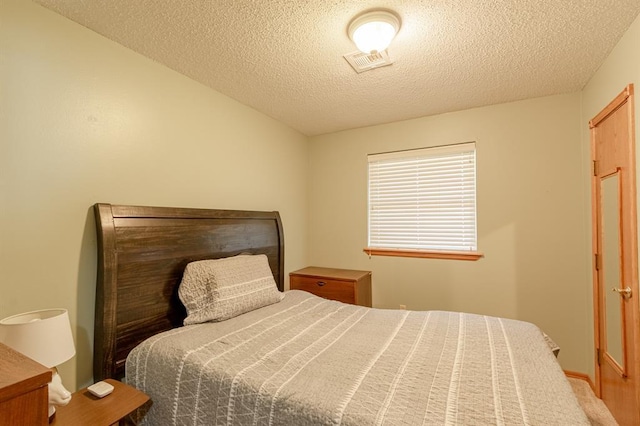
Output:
x,y
142,253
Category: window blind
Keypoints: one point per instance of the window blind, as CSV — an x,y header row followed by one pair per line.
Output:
x,y
424,199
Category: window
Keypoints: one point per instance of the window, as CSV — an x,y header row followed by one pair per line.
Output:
x,y
422,203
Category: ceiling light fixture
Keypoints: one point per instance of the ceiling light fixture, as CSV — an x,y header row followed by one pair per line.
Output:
x,y
373,31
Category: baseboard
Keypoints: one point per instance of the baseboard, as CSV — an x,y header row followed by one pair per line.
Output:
x,y
581,376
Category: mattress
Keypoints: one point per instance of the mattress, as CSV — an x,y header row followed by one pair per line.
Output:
x,y
310,361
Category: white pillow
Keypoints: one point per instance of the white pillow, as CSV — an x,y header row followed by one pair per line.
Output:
x,y
219,289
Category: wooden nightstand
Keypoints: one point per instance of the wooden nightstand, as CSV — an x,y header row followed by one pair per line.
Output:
x,y
344,285
86,409
23,389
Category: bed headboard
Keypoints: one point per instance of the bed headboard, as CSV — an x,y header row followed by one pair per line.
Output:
x,y
142,253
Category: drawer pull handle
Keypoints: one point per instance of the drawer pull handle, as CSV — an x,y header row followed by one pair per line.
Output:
x,y
321,283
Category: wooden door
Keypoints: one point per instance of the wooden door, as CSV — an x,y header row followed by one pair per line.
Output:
x,y
615,251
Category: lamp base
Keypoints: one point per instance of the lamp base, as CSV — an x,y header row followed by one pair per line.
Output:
x,y
58,394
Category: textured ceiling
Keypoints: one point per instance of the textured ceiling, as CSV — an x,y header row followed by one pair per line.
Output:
x,y
285,57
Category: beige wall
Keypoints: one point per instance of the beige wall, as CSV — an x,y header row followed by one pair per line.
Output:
x,y
84,120
621,68
530,217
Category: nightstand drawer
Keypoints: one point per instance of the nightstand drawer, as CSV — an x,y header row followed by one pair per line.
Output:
x,y
343,285
342,291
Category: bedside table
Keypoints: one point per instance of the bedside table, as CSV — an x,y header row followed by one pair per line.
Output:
x,y
344,285
86,409
23,390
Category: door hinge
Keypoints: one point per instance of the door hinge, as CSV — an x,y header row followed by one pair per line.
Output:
x,y
599,356
595,168
598,261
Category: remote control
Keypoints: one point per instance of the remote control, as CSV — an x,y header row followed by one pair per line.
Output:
x,y
100,389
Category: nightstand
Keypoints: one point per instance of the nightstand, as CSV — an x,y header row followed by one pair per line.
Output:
x,y
23,389
86,409
344,285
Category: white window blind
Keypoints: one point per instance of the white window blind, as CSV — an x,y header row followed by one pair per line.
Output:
x,y
423,199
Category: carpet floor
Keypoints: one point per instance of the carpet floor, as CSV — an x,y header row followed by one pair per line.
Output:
x,y
596,411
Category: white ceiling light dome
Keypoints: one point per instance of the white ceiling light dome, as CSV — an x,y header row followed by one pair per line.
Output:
x,y
373,30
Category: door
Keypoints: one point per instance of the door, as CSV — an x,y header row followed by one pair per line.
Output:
x,y
615,251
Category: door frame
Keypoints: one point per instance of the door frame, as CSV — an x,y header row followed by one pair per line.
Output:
x,y
625,96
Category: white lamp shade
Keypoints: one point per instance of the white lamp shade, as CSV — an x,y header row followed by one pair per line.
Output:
x,y
44,336
374,31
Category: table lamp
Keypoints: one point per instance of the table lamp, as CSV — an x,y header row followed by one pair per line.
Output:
x,y
44,336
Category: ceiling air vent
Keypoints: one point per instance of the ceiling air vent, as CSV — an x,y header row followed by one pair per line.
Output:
x,y
364,62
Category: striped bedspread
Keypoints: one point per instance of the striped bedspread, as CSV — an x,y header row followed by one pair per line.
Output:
x,y
309,361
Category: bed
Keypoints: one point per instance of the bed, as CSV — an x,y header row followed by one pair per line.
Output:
x,y
299,360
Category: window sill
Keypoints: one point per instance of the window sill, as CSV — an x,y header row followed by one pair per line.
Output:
x,y
426,254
